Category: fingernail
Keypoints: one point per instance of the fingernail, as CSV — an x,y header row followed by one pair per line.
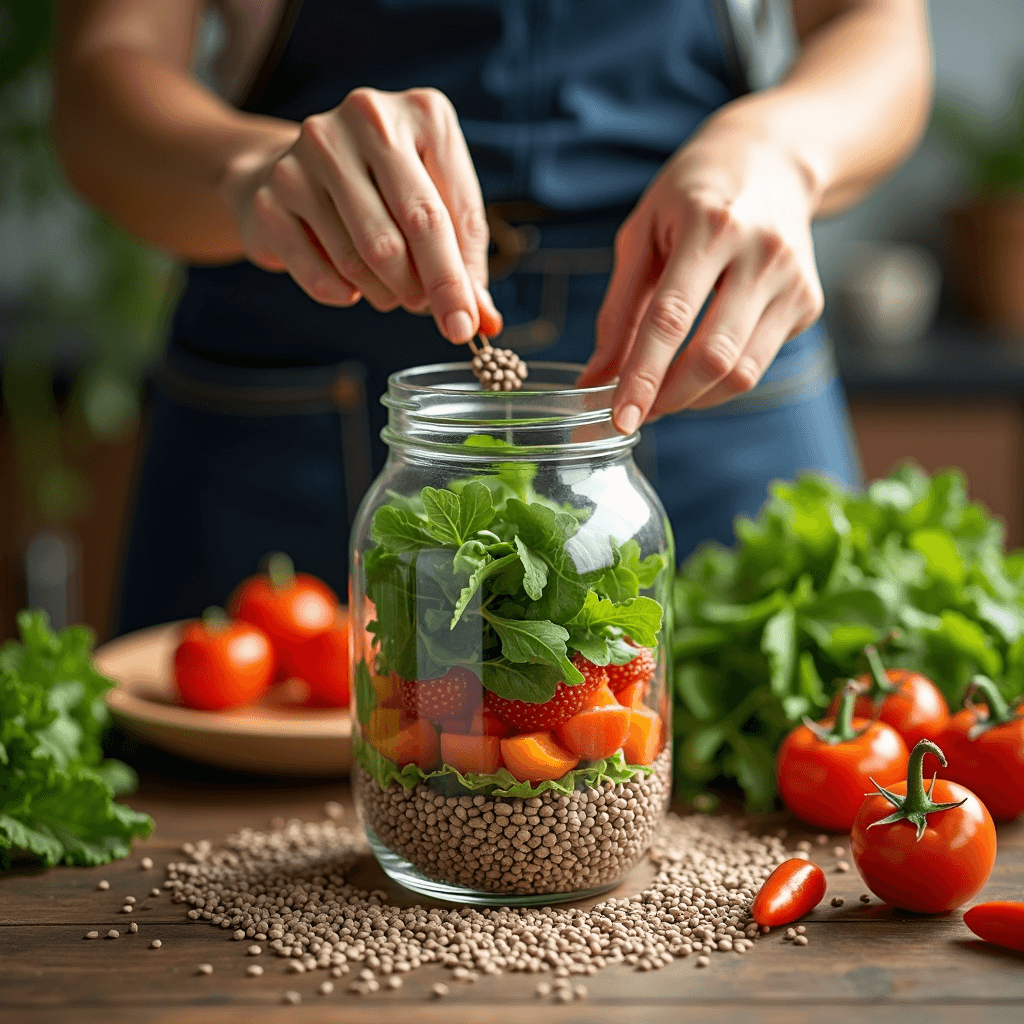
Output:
x,y
458,326
628,419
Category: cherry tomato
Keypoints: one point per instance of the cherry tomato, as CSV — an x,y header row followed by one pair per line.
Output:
x,y
323,663
1001,923
289,607
221,664
934,851
824,769
908,701
985,744
793,889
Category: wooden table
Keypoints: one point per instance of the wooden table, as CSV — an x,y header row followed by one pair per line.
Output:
x,y
864,964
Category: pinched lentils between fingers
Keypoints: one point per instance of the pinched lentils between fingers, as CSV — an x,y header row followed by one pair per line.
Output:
x,y
288,888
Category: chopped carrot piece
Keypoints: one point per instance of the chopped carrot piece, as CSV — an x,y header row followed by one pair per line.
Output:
x,y
383,723
601,697
632,696
535,756
479,753
387,690
644,739
415,744
595,732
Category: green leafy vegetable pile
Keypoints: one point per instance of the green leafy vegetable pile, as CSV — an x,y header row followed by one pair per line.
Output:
x,y
56,790
480,575
763,629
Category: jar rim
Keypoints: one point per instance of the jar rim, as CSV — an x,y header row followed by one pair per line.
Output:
x,y
440,407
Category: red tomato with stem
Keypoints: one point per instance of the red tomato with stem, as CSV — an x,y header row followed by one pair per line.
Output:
x,y
926,851
985,743
1001,923
825,768
323,663
908,701
793,889
220,664
289,607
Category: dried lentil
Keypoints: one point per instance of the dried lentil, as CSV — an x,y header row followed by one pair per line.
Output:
x,y
842,866
865,898
133,927
291,997
154,892
326,988
113,934
155,944
146,863
837,901
800,940
91,935
289,886
254,970
103,885
204,969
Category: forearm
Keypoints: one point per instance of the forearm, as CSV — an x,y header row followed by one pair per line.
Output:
x,y
855,102
143,140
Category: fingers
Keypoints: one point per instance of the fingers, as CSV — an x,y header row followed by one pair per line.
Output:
x,y
282,233
688,278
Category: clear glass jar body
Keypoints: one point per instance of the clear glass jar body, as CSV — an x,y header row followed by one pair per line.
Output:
x,y
510,601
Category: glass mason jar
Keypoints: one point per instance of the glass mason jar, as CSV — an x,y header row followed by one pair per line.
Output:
x,y
510,586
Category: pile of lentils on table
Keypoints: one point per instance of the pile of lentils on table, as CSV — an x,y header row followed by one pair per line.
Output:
x,y
286,892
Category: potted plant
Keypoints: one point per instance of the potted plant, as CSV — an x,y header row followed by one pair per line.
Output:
x,y
987,231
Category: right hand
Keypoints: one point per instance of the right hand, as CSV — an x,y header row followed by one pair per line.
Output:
x,y
375,199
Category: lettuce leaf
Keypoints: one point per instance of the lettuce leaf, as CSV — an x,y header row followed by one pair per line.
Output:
x,y
56,790
501,783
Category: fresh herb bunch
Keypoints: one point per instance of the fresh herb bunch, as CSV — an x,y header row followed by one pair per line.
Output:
x,y
482,578
763,628
56,790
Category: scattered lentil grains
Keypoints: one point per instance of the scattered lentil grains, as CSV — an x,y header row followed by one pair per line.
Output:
x,y
154,892
289,887
103,885
842,866
800,940
837,901
130,900
113,934
838,851
865,898
440,989
822,839
204,969
326,988
133,927
91,935
146,863
155,944
291,997
254,970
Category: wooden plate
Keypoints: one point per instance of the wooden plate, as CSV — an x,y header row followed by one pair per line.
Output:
x,y
270,736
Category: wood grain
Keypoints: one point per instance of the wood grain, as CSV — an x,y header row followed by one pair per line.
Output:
x,y
864,963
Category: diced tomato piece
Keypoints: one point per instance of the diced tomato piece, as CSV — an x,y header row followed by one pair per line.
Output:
x,y
644,738
535,756
632,696
595,732
479,753
601,697
486,723
415,744
383,724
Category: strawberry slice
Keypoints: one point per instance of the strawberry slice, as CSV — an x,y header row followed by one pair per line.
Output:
x,y
639,670
567,701
449,698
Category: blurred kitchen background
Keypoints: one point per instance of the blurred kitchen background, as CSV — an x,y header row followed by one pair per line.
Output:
x,y
924,280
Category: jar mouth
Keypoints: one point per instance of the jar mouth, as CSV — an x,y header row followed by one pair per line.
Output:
x,y
441,408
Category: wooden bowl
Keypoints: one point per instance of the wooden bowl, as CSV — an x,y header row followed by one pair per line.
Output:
x,y
272,736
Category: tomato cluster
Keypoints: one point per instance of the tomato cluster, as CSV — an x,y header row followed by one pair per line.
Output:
x,y
283,625
926,849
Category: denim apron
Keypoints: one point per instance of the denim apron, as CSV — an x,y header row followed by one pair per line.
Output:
x,y
268,402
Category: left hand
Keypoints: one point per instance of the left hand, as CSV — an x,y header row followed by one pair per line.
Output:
x,y
729,214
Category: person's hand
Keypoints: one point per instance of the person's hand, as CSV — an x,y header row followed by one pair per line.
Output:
x,y
729,214
376,199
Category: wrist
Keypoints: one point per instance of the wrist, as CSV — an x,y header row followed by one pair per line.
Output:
x,y
769,121
242,169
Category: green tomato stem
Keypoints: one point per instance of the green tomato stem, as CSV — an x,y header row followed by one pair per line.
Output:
x,y
842,730
999,712
881,686
280,569
917,804
215,619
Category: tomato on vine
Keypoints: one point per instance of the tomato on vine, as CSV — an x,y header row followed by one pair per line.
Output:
x,y
908,701
825,768
986,750
929,850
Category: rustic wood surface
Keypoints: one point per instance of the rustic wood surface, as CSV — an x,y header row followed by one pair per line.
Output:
x,y
864,964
